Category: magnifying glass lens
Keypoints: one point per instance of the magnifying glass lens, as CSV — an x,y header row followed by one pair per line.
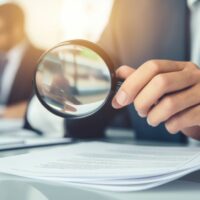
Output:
x,y
72,80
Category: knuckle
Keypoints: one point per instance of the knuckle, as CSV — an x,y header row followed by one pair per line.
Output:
x,y
120,69
161,81
192,65
169,104
153,65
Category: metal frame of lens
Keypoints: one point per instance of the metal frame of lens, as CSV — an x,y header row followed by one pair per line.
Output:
x,y
94,47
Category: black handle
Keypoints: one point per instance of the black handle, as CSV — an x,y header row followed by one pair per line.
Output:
x,y
118,84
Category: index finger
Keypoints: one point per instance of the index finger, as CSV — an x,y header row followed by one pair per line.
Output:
x,y
137,80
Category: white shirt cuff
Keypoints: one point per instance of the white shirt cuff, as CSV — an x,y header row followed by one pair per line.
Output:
x,y
43,120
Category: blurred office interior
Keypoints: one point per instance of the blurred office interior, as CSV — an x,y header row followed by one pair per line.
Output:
x,y
49,22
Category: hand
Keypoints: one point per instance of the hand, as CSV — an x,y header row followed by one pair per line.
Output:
x,y
15,111
163,91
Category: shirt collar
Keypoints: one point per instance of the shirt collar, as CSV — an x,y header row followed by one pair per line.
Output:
x,y
191,2
17,50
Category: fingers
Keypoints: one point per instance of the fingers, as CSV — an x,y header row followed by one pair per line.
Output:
x,y
69,108
184,119
164,91
137,80
172,104
124,71
159,86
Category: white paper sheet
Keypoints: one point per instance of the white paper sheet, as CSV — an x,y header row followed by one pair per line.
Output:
x,y
106,166
10,141
10,124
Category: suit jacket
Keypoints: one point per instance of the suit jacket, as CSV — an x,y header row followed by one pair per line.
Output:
x,y
136,32
22,85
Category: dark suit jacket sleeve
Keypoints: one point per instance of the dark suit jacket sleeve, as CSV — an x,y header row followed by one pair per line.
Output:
x,y
94,126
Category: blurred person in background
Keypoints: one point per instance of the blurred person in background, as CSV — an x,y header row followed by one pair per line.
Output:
x,y
18,59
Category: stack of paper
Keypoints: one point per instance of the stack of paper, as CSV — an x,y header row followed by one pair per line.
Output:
x,y
113,167
10,124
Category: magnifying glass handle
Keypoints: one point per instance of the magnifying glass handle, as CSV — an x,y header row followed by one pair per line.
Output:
x,y
119,83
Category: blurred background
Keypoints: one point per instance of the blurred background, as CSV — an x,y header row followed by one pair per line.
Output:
x,y
47,22
27,29
51,21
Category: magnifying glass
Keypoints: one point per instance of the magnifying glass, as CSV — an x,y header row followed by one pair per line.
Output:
x,y
75,79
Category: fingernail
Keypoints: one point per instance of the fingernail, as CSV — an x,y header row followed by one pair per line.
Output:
x,y
148,122
115,104
141,114
122,98
151,124
173,132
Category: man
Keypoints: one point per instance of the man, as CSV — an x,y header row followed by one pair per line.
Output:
x,y
152,38
17,62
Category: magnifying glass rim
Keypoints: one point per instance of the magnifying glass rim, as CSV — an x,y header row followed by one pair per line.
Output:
x,y
104,56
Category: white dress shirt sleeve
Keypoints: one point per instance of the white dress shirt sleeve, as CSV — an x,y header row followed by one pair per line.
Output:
x,y
41,119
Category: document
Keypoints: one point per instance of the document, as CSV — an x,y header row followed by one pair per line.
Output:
x,y
105,166
26,139
10,141
10,124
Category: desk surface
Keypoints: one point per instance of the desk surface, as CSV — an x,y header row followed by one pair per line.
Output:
x,y
25,189
11,188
